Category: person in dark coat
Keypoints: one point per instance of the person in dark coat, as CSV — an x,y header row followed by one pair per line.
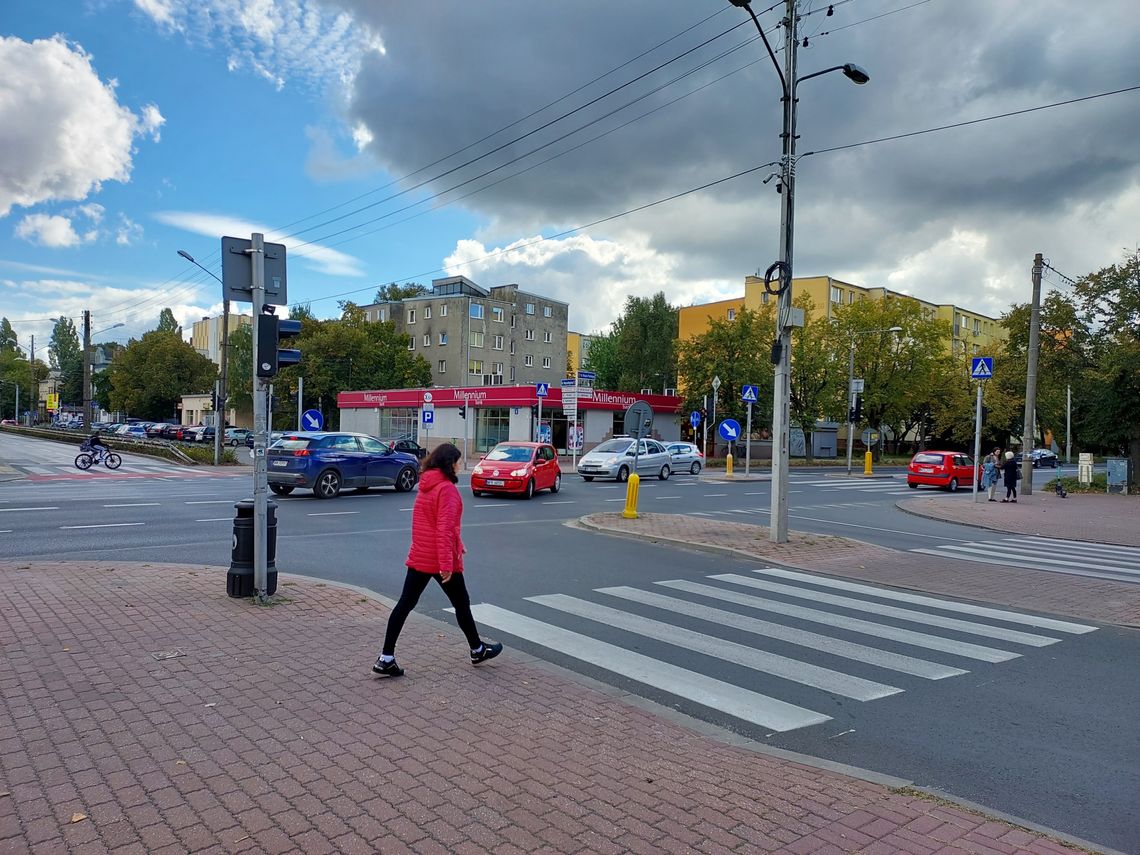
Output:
x,y
1009,476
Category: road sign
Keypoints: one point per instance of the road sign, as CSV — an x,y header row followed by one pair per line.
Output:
x,y
587,375
427,397
541,390
694,418
312,420
870,437
237,271
749,394
982,368
716,383
428,405
729,430
569,381
429,417
857,385
639,420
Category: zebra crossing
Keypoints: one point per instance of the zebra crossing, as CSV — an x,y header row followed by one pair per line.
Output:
x,y
818,637
128,469
857,486
1074,558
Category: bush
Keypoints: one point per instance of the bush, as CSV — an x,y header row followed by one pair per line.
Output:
x,y
1072,485
205,454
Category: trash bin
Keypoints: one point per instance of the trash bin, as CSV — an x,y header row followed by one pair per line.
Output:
x,y
1119,474
239,579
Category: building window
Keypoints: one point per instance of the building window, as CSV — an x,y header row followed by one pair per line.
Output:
x,y
497,314
427,313
547,311
475,366
477,311
443,338
411,343
836,295
530,308
476,338
497,368
411,316
732,314
528,361
380,316
512,347
548,337
512,374
977,326
513,317
764,298
498,342
850,297
427,340
443,310
546,362
530,335
443,366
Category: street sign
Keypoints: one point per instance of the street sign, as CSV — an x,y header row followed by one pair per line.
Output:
x,y
429,417
541,390
639,420
694,418
569,381
750,394
982,368
729,430
587,375
237,271
857,385
716,383
312,420
427,397
870,437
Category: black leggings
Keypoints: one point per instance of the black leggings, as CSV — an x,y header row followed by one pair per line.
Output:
x,y
1011,490
414,584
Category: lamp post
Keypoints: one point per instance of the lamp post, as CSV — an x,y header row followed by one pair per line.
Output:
x,y
781,350
851,391
223,388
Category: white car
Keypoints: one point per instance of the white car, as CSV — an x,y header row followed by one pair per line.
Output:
x,y
615,457
133,431
686,455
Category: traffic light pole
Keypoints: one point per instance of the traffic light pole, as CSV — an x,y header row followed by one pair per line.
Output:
x,y
260,428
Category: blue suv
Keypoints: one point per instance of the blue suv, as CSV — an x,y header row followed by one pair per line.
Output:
x,y
326,462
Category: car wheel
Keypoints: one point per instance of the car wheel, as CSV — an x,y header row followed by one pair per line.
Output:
x,y
557,485
328,485
623,474
406,479
953,485
234,443
476,493
529,491
912,486
587,477
695,469
663,475
281,489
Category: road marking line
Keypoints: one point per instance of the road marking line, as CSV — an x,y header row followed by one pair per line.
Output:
x,y
794,670
708,692
6,531
216,519
1006,561
659,498
567,502
134,505
715,495
485,505
18,510
1083,546
613,500
332,513
102,525
1084,562
211,502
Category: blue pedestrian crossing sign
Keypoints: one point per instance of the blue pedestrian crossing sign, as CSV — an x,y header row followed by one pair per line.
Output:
x,y
982,368
312,420
730,430
694,418
541,390
429,417
749,394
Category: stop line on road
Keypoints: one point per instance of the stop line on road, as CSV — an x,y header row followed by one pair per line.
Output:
x,y
897,641
1075,558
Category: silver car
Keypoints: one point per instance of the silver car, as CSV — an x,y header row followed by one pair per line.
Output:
x,y
685,455
614,458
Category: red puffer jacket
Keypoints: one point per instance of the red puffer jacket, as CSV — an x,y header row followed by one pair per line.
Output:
x,y
436,543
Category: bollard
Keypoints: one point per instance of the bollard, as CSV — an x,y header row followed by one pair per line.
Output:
x,y
728,465
631,489
239,579
867,463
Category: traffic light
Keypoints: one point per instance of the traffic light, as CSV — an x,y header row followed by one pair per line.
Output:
x,y
271,358
462,412
856,411
534,411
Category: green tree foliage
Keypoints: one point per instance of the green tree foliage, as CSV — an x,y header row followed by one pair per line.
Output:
x,y
818,373
646,341
67,358
152,373
394,292
167,323
7,336
301,312
602,359
240,378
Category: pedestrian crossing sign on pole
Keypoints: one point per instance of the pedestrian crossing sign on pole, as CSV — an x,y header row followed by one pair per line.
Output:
x,y
541,390
982,368
749,394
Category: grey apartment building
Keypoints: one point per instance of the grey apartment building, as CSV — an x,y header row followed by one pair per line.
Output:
x,y
473,336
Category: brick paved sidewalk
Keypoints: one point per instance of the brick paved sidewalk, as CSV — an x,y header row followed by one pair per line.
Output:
x,y
141,710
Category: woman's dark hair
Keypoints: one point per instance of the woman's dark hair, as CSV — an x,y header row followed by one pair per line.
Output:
x,y
443,459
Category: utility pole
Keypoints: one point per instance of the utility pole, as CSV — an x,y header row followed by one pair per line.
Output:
x,y
34,408
1068,421
220,411
1027,436
87,368
260,427
300,401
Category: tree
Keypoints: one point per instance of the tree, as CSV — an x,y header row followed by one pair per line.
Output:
x,y
646,334
7,336
167,323
817,382
240,378
154,372
393,292
602,359
67,358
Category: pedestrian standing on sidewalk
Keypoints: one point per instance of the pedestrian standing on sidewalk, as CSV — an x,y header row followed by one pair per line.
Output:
x,y
1010,473
991,473
436,553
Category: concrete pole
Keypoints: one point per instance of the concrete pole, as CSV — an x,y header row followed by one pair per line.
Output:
x,y
1068,422
850,402
977,440
260,429
223,388
87,368
300,401
1027,436
34,409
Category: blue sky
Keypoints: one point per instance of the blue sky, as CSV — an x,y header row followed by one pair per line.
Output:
x,y
130,129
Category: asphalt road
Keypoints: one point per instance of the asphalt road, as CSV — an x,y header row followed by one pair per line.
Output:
x,y
1021,714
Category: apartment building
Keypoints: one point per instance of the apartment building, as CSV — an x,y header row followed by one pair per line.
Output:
x,y
475,336
577,351
206,335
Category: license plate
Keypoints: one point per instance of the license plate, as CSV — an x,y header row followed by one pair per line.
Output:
x,y
491,483
280,462
926,470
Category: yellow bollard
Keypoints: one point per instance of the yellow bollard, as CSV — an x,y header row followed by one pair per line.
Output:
x,y
631,491
867,463
728,465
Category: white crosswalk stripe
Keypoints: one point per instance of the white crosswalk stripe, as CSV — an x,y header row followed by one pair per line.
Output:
x,y
826,662
1074,558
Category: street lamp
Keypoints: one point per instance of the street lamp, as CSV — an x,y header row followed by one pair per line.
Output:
x,y
782,349
223,388
851,382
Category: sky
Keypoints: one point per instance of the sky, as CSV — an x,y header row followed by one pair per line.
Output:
x,y
386,141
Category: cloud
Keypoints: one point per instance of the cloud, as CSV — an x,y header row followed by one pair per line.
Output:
x,y
326,163
328,261
50,231
127,232
62,130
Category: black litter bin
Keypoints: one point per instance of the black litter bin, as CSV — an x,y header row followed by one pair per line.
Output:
x,y
239,579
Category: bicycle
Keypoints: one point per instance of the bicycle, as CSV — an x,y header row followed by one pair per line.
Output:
x,y
88,456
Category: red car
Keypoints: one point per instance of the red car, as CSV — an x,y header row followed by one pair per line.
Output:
x,y
517,467
947,469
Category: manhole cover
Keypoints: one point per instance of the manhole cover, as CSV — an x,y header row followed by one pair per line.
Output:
x,y
167,654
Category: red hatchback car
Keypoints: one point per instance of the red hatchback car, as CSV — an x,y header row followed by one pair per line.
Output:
x,y
517,467
947,469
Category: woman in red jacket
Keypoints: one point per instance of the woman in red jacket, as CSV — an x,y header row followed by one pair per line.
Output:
x,y
436,553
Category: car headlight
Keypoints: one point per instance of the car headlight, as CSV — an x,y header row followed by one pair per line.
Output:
x,y
478,470
519,473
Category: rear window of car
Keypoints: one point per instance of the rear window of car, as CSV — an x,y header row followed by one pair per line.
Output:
x,y
511,453
613,446
294,443
936,459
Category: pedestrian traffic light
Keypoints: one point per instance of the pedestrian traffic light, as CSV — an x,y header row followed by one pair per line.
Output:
x,y
271,331
534,411
856,411
462,412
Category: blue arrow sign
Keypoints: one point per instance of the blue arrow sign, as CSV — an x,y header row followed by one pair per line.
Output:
x,y
749,394
694,418
982,368
429,417
541,390
312,420
730,430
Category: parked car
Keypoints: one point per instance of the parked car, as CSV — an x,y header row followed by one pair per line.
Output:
x,y
236,436
946,469
1041,458
154,430
408,446
686,455
614,458
325,462
132,431
8,422
172,431
273,437
517,467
